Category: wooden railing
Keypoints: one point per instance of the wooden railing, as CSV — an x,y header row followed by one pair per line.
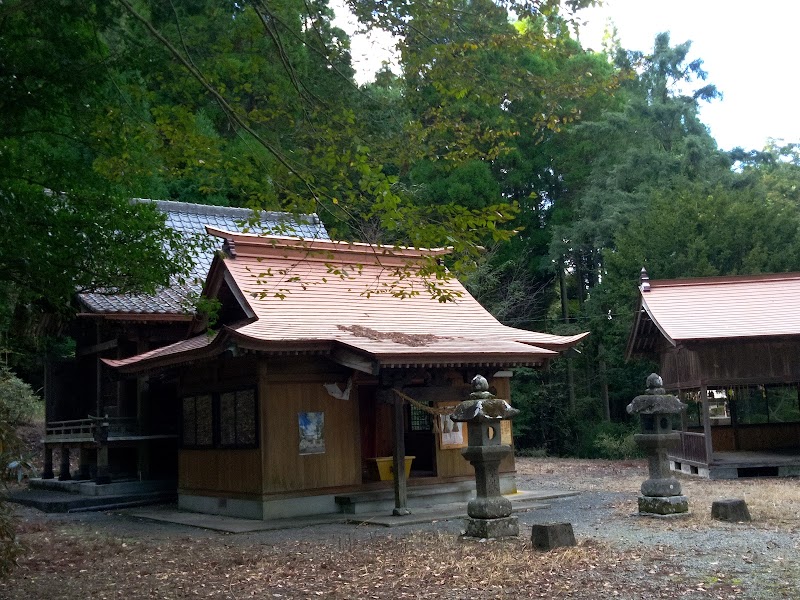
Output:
x,y
692,447
77,429
90,429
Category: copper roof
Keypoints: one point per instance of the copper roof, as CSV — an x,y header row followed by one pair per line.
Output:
x,y
337,297
716,308
191,221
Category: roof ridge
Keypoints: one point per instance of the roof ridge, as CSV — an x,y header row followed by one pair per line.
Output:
x,y
723,280
227,211
284,242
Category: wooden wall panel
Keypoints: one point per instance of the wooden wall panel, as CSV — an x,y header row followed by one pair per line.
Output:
x,y
680,368
228,471
289,388
503,386
220,471
722,439
769,436
450,463
221,375
754,362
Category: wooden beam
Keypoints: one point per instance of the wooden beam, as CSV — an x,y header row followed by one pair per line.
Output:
x,y
355,361
98,348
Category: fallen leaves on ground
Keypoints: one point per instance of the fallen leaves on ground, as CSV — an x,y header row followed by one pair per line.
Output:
x,y
73,562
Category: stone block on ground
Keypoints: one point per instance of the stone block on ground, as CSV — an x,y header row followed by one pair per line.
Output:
x,y
492,528
552,535
730,509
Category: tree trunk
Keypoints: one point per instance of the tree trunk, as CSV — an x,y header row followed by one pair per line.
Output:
x,y
562,280
604,385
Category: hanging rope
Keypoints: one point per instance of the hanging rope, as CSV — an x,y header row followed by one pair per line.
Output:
x,y
431,410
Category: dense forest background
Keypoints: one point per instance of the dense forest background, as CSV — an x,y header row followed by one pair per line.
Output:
x,y
554,171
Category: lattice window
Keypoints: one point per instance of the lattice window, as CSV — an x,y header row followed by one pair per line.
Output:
x,y
237,418
420,420
226,419
198,421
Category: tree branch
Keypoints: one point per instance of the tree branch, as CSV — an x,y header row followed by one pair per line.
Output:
x,y
226,107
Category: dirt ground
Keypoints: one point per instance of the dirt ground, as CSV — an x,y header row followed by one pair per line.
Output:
x,y
619,555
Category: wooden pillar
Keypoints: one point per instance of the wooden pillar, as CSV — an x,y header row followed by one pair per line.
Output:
x,y
142,422
706,424
734,413
143,460
103,472
47,472
399,458
64,474
684,412
98,374
84,466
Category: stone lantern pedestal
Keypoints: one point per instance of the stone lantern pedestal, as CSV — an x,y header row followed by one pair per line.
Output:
x,y
661,493
489,512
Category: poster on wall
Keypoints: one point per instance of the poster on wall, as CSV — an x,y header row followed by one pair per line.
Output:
x,y
451,433
312,432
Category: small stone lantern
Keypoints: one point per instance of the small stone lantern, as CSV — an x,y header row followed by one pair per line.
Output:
x,y
489,512
661,493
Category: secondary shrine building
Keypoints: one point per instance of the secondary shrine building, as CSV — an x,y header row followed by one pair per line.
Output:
x,y
730,347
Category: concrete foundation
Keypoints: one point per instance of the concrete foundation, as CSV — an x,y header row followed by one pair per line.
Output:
x,y
354,503
229,507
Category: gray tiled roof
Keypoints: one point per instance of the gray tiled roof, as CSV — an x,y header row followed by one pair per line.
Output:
x,y
191,219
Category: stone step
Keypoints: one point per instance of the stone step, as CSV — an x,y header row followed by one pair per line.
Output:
x,y
115,488
65,502
418,497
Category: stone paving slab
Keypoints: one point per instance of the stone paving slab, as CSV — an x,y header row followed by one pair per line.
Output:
x,y
521,501
226,524
418,516
63,502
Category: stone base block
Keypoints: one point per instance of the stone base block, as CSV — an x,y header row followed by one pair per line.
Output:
x,y
730,509
496,507
492,528
552,535
669,505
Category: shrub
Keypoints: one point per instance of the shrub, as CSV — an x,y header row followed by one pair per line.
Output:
x,y
615,447
531,452
19,405
613,441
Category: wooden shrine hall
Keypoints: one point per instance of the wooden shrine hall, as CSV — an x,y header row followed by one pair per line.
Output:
x,y
730,348
330,364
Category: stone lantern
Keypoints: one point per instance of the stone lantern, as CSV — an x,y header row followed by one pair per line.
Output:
x,y
489,512
661,493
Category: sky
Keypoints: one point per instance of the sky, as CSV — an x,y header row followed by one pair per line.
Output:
x,y
749,49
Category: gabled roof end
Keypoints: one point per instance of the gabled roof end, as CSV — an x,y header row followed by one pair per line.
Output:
x,y
644,280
